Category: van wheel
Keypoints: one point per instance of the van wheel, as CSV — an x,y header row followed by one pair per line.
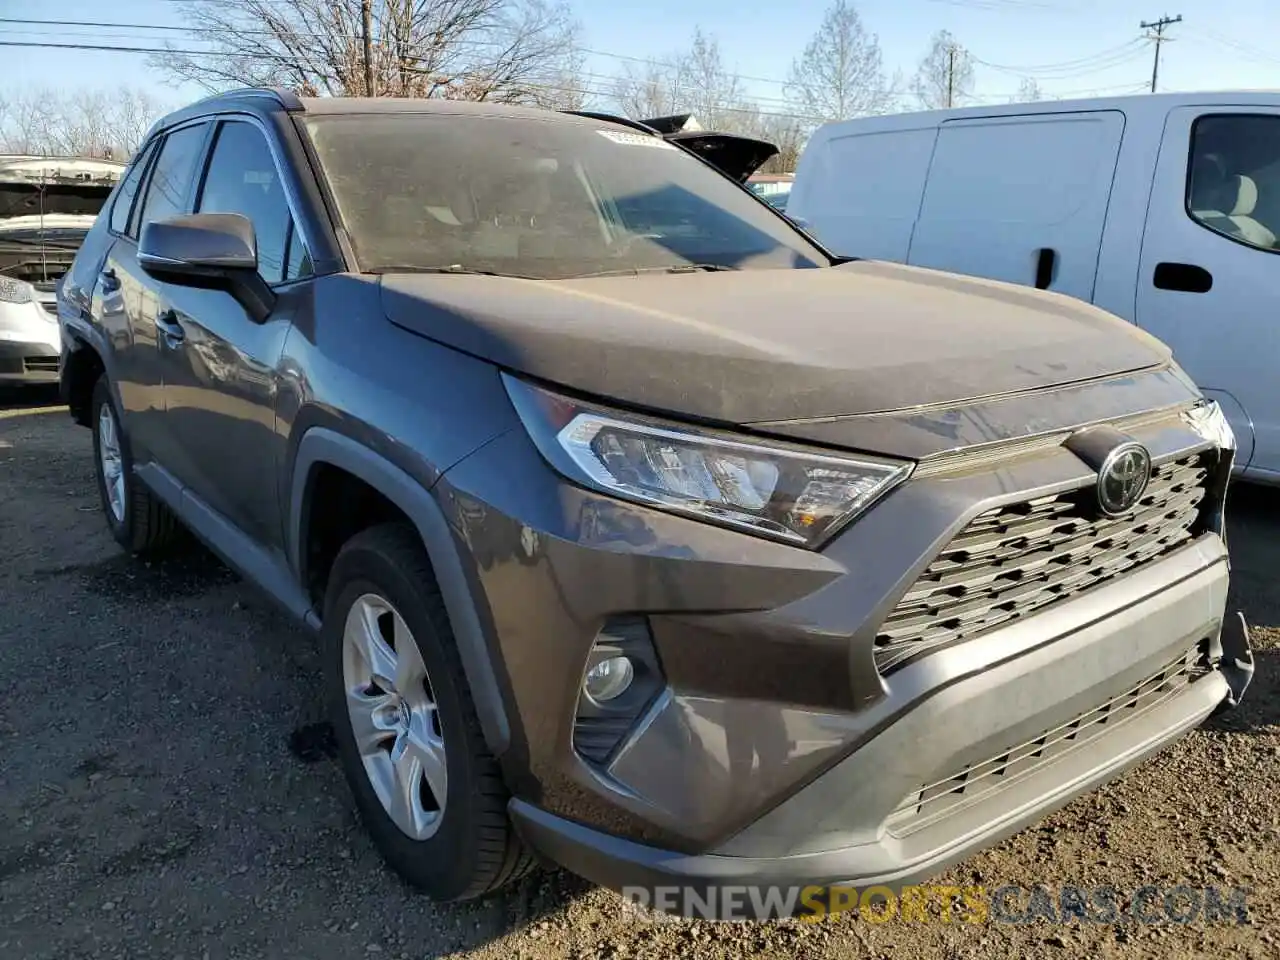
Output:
x,y
139,521
428,789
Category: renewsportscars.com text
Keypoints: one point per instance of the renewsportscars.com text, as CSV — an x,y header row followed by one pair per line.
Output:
x,y
1010,903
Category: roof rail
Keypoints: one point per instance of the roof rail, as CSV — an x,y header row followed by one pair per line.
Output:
x,y
613,118
286,98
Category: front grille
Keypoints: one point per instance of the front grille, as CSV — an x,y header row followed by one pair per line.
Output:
x,y
971,784
1013,560
40,364
47,295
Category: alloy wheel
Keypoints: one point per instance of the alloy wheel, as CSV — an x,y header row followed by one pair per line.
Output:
x,y
112,462
393,716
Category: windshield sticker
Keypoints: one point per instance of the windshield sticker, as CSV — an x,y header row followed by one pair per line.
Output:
x,y
635,139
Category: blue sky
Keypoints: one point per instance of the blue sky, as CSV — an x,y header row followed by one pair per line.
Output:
x,y
1220,43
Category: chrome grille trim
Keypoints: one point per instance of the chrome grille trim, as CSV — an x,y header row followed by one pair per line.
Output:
x,y
1014,560
971,784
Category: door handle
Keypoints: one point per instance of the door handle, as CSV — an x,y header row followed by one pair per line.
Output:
x,y
1183,277
168,325
1046,267
110,282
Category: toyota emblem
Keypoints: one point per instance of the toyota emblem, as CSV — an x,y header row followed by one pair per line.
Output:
x,y
1123,478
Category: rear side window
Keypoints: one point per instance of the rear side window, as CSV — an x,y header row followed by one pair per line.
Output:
x,y
242,178
172,173
123,203
1233,180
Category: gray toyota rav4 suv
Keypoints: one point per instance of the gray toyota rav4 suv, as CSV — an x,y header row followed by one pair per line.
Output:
x,y
639,532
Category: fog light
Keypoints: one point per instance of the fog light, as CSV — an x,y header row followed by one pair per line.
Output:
x,y
608,679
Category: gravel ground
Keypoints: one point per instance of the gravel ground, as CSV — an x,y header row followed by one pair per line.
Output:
x,y
166,792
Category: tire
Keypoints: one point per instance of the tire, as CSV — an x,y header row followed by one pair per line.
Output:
x,y
141,523
467,847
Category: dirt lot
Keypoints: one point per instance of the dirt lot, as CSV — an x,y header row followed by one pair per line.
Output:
x,y
164,793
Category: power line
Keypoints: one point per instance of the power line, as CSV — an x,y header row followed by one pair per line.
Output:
x,y
997,4
765,103
1066,64
580,90
766,106
197,31
1158,38
1116,57
1255,53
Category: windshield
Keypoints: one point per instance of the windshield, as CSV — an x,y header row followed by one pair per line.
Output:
x,y
546,199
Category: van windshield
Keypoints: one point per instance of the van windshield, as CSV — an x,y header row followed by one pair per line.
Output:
x,y
541,198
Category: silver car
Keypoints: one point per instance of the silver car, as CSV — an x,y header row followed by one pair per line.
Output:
x,y
47,205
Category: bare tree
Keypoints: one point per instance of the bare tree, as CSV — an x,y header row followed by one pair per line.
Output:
x,y
841,73
945,76
77,123
521,51
647,90
694,81
1028,92
787,133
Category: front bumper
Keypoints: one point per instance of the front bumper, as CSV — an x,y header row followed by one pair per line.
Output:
x,y
30,343
28,362
1035,731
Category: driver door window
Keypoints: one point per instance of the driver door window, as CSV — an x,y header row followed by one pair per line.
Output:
x,y
242,178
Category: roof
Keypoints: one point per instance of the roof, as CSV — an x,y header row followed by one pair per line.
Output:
x,y
331,106
1132,104
264,100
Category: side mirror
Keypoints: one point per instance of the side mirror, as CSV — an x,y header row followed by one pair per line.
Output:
x,y
213,251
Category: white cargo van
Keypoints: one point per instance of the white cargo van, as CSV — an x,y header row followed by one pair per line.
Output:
x,y
1162,209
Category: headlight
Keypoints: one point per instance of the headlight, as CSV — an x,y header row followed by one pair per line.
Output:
x,y
1210,422
15,291
773,490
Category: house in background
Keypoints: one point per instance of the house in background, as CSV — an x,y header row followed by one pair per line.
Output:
x,y
773,188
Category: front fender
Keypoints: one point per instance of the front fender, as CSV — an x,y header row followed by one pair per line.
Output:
x,y
322,445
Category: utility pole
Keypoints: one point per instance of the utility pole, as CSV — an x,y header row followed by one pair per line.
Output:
x,y
951,75
366,31
1158,38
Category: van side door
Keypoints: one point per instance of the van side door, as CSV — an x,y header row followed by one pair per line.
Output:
x,y
1022,198
1209,275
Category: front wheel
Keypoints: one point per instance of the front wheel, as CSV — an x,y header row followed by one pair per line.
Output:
x,y
139,521
424,781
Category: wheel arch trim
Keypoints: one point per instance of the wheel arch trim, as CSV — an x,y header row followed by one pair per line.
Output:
x,y
321,446
78,339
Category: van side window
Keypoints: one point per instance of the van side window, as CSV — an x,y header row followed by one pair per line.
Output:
x,y
1233,183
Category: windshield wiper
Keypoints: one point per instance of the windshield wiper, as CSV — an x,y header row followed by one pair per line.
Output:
x,y
450,268
672,268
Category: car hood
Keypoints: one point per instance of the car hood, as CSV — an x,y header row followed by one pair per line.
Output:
x,y
775,345
49,223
